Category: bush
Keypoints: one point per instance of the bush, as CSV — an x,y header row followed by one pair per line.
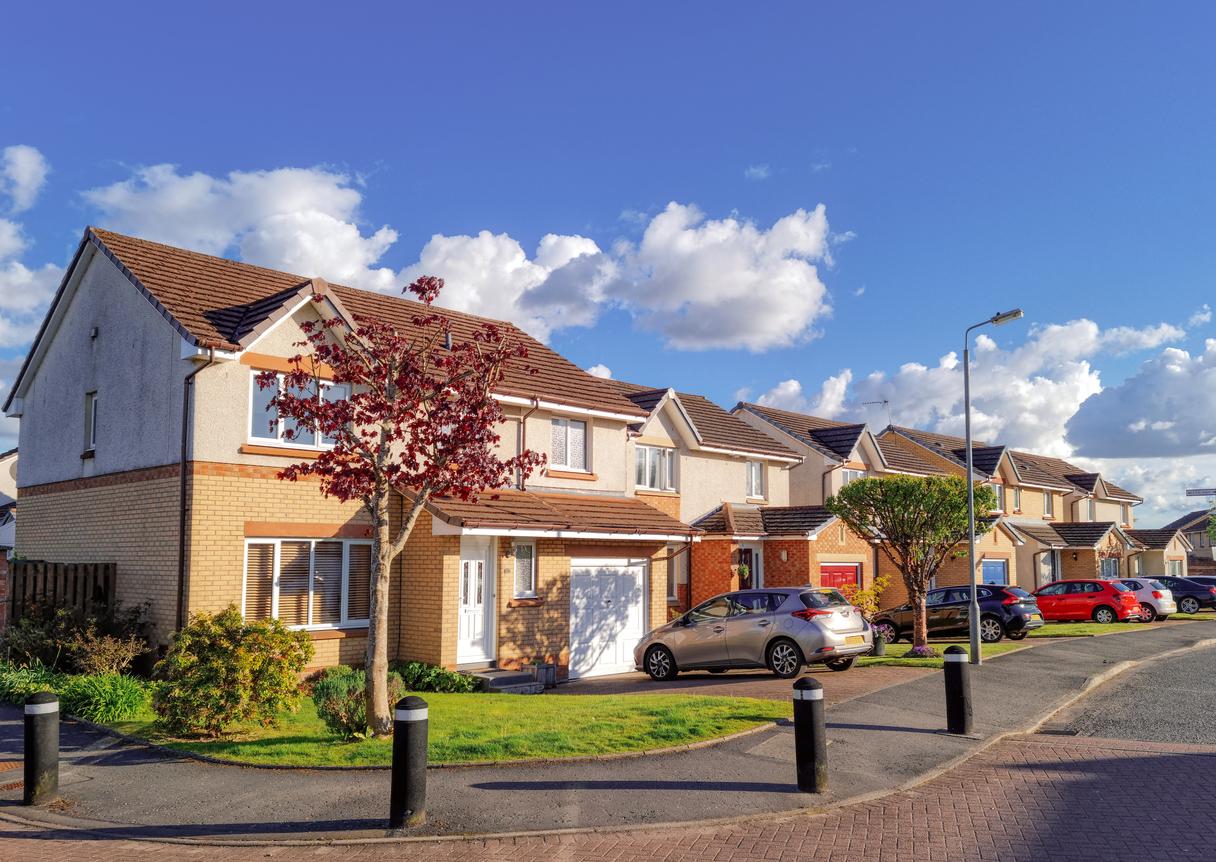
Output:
x,y
419,676
101,654
341,704
18,683
41,637
65,639
222,670
103,698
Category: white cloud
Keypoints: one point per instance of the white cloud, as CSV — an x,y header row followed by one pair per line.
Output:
x,y
1125,339
24,292
860,291
726,283
757,172
600,370
302,220
1166,409
1202,315
1162,482
828,403
820,167
23,171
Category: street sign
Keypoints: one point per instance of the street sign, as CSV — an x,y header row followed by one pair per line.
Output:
x,y
1201,492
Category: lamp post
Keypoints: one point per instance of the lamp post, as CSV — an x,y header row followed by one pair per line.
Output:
x,y
973,613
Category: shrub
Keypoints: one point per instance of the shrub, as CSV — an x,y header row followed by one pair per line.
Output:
x,y
922,652
95,653
103,698
341,703
222,670
18,683
65,639
40,637
419,676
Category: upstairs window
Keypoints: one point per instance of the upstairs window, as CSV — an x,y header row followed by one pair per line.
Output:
x,y
1092,509
265,424
1127,513
569,444
847,476
1000,497
90,421
755,479
1017,499
655,468
1049,504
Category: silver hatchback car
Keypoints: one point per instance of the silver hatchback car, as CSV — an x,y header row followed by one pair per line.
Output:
x,y
782,629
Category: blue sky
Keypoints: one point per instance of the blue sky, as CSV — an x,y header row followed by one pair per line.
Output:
x,y
968,158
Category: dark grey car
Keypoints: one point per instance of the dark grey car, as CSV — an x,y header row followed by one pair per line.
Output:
x,y
782,629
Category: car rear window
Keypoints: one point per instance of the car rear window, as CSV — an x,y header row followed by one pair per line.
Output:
x,y
1019,592
822,598
1157,585
1120,588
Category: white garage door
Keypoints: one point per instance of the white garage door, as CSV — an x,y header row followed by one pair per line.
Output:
x,y
607,615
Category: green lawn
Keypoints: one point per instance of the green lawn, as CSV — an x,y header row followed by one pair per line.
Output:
x,y
894,651
487,727
1076,630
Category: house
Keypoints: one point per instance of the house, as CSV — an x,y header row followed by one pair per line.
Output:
x,y
689,458
1194,526
1165,552
145,442
8,501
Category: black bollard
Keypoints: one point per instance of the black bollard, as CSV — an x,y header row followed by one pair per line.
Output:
x,y
41,748
958,691
407,796
810,736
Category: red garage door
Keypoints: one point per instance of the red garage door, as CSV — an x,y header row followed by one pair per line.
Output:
x,y
839,575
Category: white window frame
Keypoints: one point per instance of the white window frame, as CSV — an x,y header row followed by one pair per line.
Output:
x,y
279,440
515,592
1107,562
1017,498
562,421
1000,496
848,476
755,470
90,420
673,571
1170,569
1049,504
667,467
343,622
1092,510
1125,512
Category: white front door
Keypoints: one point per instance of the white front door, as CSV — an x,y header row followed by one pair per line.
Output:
x,y
475,603
753,555
607,615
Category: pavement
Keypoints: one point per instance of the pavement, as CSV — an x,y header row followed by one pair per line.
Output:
x,y
880,742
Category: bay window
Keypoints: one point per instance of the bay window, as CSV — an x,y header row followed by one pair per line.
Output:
x,y
265,425
655,468
569,444
308,583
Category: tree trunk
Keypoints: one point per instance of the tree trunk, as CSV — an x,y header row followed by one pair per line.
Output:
x,y
379,710
920,628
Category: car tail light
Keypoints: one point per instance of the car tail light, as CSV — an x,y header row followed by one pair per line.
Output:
x,y
1013,600
810,614
1157,594
1212,591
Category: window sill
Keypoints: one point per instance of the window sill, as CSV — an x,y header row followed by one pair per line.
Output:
x,y
580,475
87,454
655,492
757,499
335,634
526,602
673,601
280,451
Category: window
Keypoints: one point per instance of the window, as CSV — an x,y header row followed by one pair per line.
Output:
x,y
847,476
755,479
266,425
1049,507
314,583
1051,565
675,566
525,570
1174,568
655,468
1110,567
758,603
1054,590
1092,510
1017,499
1000,497
1126,513
714,609
569,444
90,421
936,597
1138,565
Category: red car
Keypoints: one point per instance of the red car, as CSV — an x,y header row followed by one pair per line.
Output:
x,y
1097,600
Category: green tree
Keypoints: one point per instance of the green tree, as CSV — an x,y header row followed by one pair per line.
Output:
x,y
1212,523
920,520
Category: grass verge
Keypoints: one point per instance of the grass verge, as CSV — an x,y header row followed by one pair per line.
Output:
x,y
1079,630
490,727
894,651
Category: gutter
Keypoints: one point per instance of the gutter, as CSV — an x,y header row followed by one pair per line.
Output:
x,y
523,437
187,401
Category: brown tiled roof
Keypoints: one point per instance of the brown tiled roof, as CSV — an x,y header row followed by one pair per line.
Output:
x,y
746,520
583,513
1083,534
1156,539
1042,533
1116,493
904,455
1058,473
984,457
220,303
1189,522
718,429
832,438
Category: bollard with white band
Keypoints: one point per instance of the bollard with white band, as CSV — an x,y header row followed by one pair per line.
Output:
x,y
958,691
41,753
407,795
810,736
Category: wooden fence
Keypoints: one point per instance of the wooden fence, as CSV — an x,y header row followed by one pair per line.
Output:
x,y
87,587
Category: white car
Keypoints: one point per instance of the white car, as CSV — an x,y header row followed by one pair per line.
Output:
x,y
1156,600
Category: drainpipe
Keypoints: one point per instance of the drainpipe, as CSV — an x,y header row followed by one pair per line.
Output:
x,y
823,483
523,437
187,390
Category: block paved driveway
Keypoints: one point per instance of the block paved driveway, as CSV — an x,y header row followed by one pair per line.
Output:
x,y
1032,798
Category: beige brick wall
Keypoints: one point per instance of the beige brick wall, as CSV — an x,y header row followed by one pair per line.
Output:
x,y
428,579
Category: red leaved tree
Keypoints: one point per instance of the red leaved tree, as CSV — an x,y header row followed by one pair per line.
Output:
x,y
419,419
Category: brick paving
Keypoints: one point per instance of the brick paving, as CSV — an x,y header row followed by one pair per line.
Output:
x,y
1027,798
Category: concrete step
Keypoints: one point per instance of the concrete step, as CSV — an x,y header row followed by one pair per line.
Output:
x,y
507,682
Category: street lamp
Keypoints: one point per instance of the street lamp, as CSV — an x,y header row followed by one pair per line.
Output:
x,y
973,613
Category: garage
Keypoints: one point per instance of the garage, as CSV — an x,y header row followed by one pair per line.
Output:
x,y
607,615
840,575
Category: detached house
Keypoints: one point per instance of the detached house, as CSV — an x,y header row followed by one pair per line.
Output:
x,y
145,442
1194,528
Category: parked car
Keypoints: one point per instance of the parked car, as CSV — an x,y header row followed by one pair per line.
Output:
x,y
1191,594
1096,599
1156,600
782,629
1004,612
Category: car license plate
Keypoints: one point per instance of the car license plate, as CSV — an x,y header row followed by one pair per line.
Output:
x,y
855,639
1036,616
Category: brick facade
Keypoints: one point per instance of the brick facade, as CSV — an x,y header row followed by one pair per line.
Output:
x,y
668,504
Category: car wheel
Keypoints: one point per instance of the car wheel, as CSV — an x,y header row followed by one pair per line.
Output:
x,y
1148,613
991,630
1017,636
1105,615
785,659
1163,617
886,630
841,664
661,664
1189,605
